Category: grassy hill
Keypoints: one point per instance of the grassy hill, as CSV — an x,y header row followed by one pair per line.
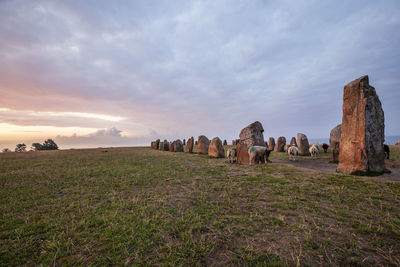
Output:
x,y
142,206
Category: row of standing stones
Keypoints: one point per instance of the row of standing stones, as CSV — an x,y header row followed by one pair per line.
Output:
x,y
356,144
213,148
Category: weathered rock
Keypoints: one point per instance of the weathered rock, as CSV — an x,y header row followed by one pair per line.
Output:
x,y
242,154
203,144
189,145
196,143
161,146
165,145
216,149
152,145
280,144
233,142
178,146
271,144
334,141
225,143
157,146
303,145
184,142
172,146
363,129
286,147
293,141
251,135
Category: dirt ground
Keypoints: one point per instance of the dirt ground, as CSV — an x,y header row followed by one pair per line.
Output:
x,y
323,165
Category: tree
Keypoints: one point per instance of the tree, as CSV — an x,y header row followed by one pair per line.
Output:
x,y
20,148
37,146
49,144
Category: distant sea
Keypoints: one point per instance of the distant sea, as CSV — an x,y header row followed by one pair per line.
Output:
x,y
389,140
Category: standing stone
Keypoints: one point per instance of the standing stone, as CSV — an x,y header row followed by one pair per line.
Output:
x,y
172,146
271,143
196,143
165,145
293,141
225,143
178,146
280,144
204,143
303,145
334,141
251,135
216,149
157,146
184,142
161,146
363,129
233,142
189,145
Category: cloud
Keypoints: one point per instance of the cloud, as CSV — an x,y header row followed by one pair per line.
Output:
x,y
114,132
189,68
103,138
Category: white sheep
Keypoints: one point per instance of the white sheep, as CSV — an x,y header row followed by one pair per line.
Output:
x,y
314,150
260,153
231,155
293,152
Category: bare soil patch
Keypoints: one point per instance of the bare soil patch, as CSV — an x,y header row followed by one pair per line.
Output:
x,y
325,165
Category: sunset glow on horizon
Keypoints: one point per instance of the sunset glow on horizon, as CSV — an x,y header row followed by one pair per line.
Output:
x,y
102,73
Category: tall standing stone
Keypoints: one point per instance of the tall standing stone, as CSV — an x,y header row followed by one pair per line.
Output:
x,y
271,144
157,146
203,144
280,144
252,135
165,145
189,145
172,146
225,143
184,142
363,129
303,145
216,148
161,146
334,141
293,141
178,146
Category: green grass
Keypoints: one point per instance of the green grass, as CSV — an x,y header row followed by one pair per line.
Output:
x,y
395,152
138,206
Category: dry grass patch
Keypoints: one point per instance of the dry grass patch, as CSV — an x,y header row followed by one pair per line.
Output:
x,y
142,206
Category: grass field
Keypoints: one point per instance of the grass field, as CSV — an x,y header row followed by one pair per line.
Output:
x,y
148,207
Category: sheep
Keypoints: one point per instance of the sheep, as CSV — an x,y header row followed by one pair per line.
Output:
x,y
314,150
386,150
231,155
325,147
258,153
293,152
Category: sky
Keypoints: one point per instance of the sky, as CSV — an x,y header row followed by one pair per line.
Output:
x,y
122,73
